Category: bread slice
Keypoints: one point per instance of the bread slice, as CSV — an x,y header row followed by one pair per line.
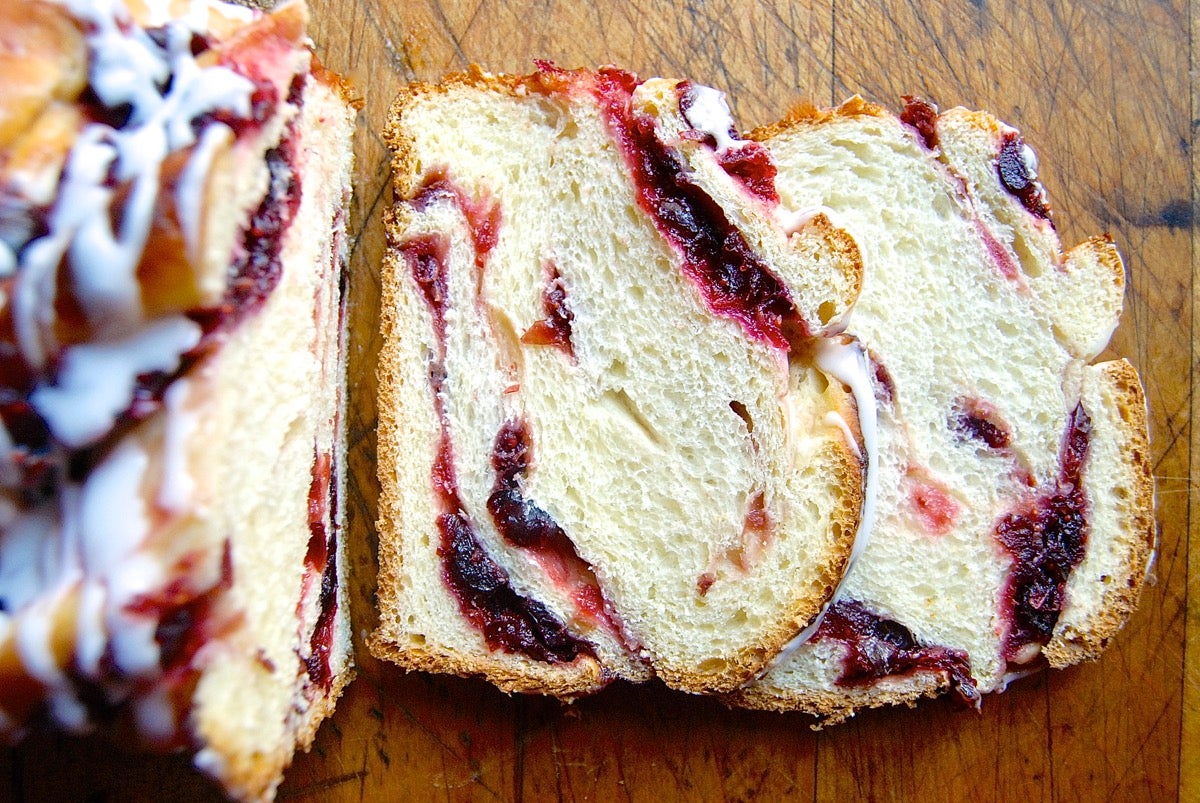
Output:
x,y
173,193
604,449
1014,520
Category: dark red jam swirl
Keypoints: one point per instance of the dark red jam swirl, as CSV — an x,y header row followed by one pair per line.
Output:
x,y
922,116
428,259
187,618
507,620
554,328
1047,539
482,216
525,525
318,663
322,499
733,280
980,421
749,163
882,648
1016,177
321,557
521,522
256,274
752,166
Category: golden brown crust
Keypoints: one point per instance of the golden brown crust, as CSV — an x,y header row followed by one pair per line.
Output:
x,y
839,247
1070,646
566,682
1104,251
806,114
832,707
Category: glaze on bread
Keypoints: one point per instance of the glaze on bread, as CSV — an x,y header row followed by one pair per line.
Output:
x,y
173,185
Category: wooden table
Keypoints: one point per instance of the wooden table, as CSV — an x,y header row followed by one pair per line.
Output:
x,y
1101,89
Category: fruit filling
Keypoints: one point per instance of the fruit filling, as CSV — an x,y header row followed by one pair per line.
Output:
x,y
879,648
922,116
554,329
483,215
1017,169
525,525
733,280
979,420
320,671
322,499
320,560
256,271
482,588
1046,540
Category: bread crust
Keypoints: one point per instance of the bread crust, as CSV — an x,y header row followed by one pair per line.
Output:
x,y
835,707
808,114
1073,645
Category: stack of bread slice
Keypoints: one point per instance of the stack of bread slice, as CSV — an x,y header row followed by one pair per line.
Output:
x,y
805,419
173,184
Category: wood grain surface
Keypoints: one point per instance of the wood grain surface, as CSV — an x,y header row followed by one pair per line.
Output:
x,y
1102,90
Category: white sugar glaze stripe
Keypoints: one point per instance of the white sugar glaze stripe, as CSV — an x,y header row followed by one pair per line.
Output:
x,y
707,111
96,381
127,67
844,359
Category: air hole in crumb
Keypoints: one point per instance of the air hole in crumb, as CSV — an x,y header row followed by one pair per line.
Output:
x,y
743,414
826,312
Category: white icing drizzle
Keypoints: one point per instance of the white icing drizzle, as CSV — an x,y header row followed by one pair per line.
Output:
x,y
33,633
707,111
128,67
10,475
68,711
155,714
189,193
177,486
833,419
845,360
8,264
91,636
793,221
96,381
113,520
1011,676
30,559
88,547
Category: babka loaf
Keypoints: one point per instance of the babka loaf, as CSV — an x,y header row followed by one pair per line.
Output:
x,y
1013,524
173,184
606,447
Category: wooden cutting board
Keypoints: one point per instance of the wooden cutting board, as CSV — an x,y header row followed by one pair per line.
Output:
x,y
1102,91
